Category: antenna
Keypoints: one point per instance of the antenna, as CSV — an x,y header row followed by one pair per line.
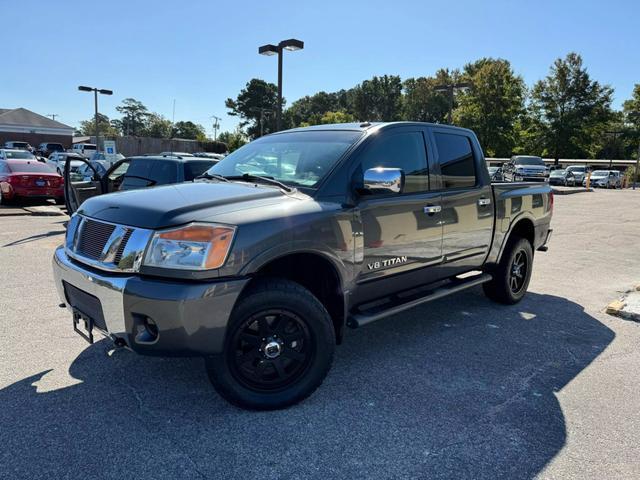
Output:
x,y
173,122
52,115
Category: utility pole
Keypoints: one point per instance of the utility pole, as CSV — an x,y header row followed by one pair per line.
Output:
x,y
53,116
264,112
615,136
216,125
450,89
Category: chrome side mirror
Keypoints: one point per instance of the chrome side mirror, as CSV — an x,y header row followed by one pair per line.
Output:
x,y
384,180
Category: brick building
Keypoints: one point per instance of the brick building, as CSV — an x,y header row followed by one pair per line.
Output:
x,y
20,124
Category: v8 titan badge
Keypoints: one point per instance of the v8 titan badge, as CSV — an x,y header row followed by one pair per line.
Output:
x,y
387,263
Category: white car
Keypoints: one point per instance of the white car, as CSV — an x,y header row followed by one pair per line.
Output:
x,y
605,179
57,160
84,149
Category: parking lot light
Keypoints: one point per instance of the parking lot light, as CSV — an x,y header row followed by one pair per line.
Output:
x,y
96,91
269,49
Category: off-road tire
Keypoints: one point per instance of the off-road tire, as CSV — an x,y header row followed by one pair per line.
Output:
x,y
501,288
298,305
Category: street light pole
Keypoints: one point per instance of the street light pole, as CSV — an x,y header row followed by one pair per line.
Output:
x,y
450,88
292,44
96,91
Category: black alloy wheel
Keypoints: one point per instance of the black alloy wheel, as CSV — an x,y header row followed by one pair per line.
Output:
x,y
278,348
271,350
518,272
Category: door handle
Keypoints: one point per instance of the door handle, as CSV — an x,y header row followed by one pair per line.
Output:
x,y
483,202
431,209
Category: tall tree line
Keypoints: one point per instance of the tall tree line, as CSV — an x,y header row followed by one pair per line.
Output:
x,y
567,114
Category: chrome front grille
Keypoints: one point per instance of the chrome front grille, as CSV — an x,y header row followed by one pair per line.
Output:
x,y
105,245
92,237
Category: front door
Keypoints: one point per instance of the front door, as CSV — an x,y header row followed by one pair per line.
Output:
x,y
401,233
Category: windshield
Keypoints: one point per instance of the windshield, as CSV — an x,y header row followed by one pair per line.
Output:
x,y
22,155
529,161
576,169
558,173
600,173
295,158
31,167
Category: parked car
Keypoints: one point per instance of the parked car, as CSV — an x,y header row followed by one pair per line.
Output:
x,y
84,149
213,156
57,161
131,174
563,177
13,154
605,179
261,274
17,145
176,154
46,149
579,172
525,168
496,174
22,178
103,157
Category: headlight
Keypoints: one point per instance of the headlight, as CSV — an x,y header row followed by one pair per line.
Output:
x,y
197,246
520,170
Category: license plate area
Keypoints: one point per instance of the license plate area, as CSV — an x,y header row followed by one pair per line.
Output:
x,y
87,311
40,183
83,325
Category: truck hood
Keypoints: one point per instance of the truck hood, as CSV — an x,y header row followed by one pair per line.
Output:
x,y
177,204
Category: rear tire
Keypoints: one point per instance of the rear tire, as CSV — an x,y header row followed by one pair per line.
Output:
x,y
278,349
512,275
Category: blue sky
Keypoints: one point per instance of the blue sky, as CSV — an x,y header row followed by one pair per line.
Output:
x,y
201,52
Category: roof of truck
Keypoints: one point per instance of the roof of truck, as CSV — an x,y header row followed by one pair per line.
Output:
x,y
365,126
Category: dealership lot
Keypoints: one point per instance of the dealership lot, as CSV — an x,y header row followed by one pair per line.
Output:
x,y
457,388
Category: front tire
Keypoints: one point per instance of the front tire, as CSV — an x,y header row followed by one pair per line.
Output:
x,y
512,275
278,349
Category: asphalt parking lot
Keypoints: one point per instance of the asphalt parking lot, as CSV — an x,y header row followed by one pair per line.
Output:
x,y
459,388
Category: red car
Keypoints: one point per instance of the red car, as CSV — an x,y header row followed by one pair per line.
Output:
x,y
29,179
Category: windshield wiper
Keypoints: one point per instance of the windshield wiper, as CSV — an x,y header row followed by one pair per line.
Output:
x,y
212,176
247,177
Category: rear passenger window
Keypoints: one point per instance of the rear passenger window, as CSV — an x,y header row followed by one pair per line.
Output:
x,y
405,151
455,157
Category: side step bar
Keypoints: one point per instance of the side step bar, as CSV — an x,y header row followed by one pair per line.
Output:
x,y
456,285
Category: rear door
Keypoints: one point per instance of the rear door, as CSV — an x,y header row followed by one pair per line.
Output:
x,y
401,232
467,199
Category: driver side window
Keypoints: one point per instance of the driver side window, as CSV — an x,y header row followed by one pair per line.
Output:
x,y
401,150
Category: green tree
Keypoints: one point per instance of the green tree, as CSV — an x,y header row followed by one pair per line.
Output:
x,y
234,140
421,102
310,109
256,103
88,127
189,130
492,105
378,99
157,126
631,119
134,117
336,117
570,110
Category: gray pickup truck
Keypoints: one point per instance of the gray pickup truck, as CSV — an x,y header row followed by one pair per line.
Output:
x,y
259,265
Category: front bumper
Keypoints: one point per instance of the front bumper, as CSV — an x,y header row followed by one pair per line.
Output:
x,y
187,318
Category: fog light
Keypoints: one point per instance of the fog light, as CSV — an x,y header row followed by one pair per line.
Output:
x,y
146,329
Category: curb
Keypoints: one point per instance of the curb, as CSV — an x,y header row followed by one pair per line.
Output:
x,y
44,211
628,307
